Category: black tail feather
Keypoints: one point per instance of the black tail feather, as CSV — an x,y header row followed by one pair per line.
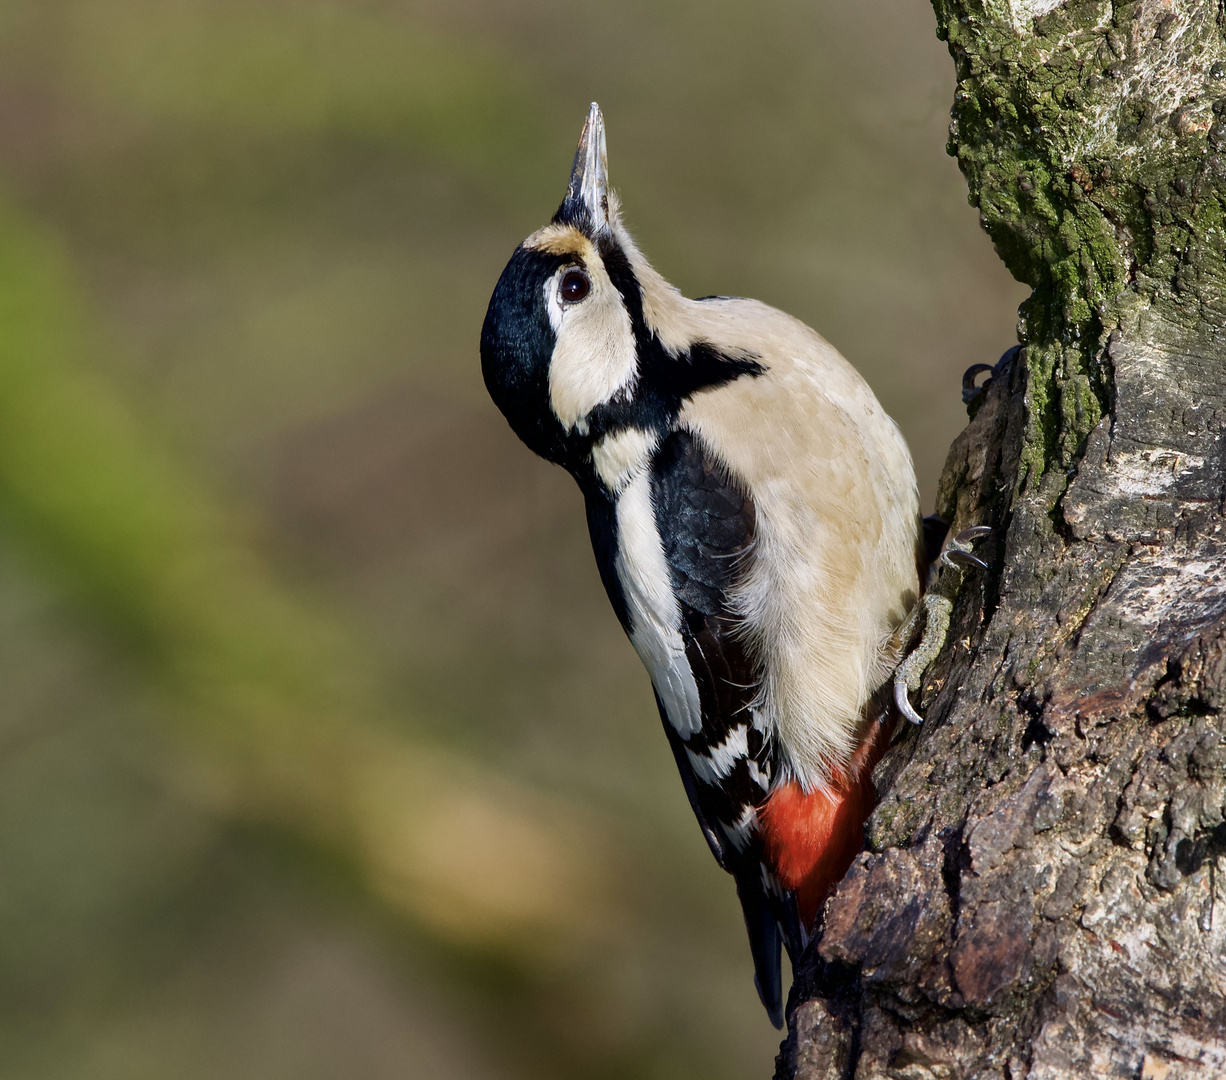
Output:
x,y
765,945
787,916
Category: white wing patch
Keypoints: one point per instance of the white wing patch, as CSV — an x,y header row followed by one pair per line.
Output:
x,y
655,616
721,759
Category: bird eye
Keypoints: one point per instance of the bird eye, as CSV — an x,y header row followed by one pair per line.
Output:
x,y
574,287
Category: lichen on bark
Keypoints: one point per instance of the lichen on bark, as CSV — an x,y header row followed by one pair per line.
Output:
x,y
1039,893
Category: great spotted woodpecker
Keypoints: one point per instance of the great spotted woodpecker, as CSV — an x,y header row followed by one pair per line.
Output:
x,y
755,519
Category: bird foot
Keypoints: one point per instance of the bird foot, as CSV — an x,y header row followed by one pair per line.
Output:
x,y
936,607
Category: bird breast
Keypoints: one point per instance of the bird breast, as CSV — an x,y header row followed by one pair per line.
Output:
x,y
833,569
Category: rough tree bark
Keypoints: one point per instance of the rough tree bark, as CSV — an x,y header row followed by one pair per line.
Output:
x,y
1038,897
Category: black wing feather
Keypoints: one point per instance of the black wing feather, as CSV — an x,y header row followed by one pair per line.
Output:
x,y
714,836
706,525
764,944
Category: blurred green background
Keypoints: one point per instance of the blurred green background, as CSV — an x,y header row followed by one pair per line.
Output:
x,y
321,753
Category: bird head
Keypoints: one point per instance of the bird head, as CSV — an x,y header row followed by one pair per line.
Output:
x,y
559,340
583,338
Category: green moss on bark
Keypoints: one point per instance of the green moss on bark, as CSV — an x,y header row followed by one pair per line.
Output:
x,y
1090,139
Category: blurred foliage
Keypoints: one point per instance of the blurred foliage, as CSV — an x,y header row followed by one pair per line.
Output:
x,y
323,755
317,69
278,702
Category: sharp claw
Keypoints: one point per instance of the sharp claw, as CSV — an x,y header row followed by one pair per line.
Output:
x,y
969,389
904,703
973,533
956,557
937,605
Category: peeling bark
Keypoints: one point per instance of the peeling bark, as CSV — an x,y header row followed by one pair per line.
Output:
x,y
1039,894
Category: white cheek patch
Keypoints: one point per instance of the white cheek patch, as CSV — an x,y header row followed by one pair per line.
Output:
x,y
655,617
619,456
595,357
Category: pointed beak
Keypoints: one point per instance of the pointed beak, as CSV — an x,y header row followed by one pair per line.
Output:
x,y
586,205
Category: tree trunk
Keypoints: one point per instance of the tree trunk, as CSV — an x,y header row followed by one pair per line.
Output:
x,y
1038,896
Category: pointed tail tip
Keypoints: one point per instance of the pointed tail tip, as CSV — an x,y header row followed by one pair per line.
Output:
x,y
773,1004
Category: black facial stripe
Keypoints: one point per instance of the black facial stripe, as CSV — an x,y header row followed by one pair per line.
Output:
x,y
617,266
664,381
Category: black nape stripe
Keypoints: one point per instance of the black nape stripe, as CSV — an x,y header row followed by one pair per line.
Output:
x,y
617,265
708,368
665,380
